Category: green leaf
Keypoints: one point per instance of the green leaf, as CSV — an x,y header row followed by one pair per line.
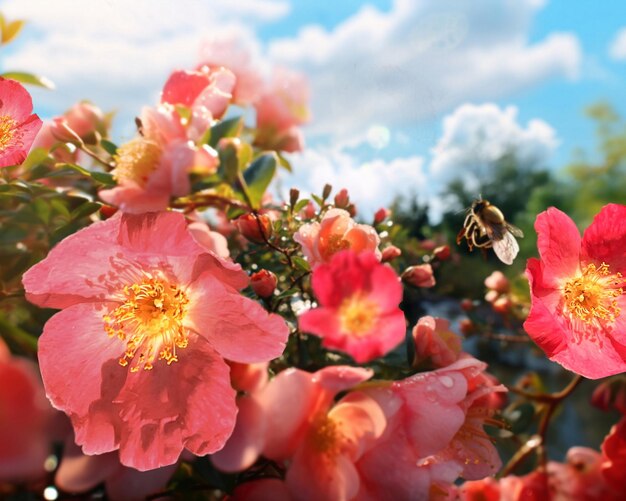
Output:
x,y
29,78
104,178
288,292
301,204
226,128
108,146
301,263
10,30
101,177
35,157
258,176
229,163
85,210
284,163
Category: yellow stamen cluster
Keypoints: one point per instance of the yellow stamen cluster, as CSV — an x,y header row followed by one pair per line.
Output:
x,y
8,128
324,436
332,245
136,161
357,315
150,321
592,296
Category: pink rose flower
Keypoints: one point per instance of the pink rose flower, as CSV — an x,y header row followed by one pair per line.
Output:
x,y
135,357
337,231
358,312
434,434
24,419
577,292
18,125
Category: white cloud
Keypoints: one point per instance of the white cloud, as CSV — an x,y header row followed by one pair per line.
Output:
x,y
422,58
475,137
119,53
617,49
371,185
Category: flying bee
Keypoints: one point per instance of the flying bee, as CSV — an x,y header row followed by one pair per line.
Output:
x,y
485,227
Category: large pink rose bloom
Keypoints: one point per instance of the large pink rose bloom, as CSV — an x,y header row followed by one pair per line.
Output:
x,y
24,419
434,434
577,292
337,231
358,311
156,165
319,439
135,357
18,126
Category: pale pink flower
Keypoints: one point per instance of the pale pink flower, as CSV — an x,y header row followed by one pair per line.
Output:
x,y
434,434
358,311
135,357
24,419
435,341
280,110
18,124
337,231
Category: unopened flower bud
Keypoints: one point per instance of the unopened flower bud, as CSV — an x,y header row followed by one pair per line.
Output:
x,y
107,211
381,214
254,228
491,296
442,253
502,304
497,281
326,191
263,283
466,326
342,199
420,275
390,253
294,194
351,208
467,304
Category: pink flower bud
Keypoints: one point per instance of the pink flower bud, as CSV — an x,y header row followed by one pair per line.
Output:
x,y
502,304
467,304
381,215
420,275
497,281
491,296
254,229
466,326
342,199
390,253
263,283
442,252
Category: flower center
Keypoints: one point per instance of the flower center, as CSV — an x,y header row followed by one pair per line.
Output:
x,y
150,320
357,315
592,296
8,127
136,161
324,436
332,245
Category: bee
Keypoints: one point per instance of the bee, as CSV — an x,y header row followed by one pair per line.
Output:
x,y
485,227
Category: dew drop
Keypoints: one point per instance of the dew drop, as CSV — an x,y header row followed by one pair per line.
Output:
x,y
446,381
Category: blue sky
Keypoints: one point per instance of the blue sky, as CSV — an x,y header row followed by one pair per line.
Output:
x,y
406,94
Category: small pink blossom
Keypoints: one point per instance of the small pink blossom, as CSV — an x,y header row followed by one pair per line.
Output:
x,y
263,283
280,110
136,356
435,341
577,292
337,231
390,253
24,419
18,125
358,312
420,275
498,282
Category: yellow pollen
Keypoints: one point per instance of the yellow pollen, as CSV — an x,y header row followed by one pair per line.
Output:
x,y
136,161
592,296
150,321
332,245
8,127
324,436
357,315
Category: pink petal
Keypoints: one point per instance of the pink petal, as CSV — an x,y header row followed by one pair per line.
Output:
x,y
338,378
593,359
79,473
133,199
246,443
218,95
188,404
559,242
237,327
320,321
384,288
183,87
81,374
54,283
15,100
605,239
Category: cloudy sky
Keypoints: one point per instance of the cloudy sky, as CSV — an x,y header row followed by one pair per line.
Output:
x,y
405,93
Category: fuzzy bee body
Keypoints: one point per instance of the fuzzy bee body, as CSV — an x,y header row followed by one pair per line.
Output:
x,y
485,227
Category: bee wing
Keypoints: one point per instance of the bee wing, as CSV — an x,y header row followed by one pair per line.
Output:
x,y
514,230
506,248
